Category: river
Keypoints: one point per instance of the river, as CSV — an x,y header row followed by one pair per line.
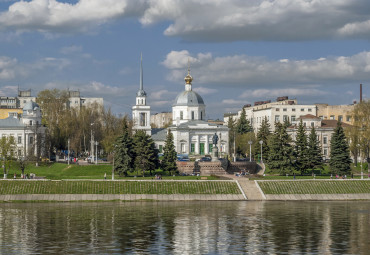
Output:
x,y
185,228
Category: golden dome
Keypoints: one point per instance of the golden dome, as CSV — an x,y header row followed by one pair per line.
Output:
x,y
188,79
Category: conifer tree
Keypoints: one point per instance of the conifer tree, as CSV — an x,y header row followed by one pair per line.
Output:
x,y
314,151
146,155
340,161
301,150
263,135
124,153
281,153
169,155
243,125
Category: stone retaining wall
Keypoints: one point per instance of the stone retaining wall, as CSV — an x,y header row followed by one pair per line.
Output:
x,y
215,168
123,197
317,197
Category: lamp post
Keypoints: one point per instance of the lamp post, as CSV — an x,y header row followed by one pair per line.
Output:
x,y
96,151
68,151
234,148
92,144
250,150
114,153
359,152
261,142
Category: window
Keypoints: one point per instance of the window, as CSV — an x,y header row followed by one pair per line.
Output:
x,y
31,139
142,119
181,115
284,110
302,109
277,118
192,115
183,148
340,118
325,152
160,148
348,118
325,140
285,118
201,115
293,109
332,117
292,118
30,122
19,139
210,147
192,148
277,109
312,124
321,117
309,109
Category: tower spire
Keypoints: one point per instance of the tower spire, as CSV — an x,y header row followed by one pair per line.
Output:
x,y
188,79
141,71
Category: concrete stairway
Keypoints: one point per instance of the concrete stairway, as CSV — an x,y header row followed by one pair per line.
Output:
x,y
250,190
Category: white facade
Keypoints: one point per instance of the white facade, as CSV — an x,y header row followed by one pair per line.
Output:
x,y
27,131
280,111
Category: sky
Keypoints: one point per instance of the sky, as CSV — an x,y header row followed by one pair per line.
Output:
x,y
239,51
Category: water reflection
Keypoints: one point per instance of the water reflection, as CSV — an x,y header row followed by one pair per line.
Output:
x,y
186,228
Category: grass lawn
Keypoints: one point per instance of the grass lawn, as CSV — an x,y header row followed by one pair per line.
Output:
x,y
59,171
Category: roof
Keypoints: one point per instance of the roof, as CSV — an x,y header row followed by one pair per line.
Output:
x,y
10,122
159,134
199,124
332,124
188,98
309,116
30,106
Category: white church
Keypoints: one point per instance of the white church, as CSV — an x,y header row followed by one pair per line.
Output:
x,y
192,134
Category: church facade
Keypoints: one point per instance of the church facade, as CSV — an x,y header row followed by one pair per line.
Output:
x,y
192,133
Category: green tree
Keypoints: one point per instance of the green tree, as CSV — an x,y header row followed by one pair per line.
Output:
x,y
263,135
281,153
340,161
301,149
124,153
361,117
314,151
146,155
243,125
7,147
242,145
169,155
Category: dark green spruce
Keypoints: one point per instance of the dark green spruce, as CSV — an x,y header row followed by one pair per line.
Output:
x,y
281,153
301,148
124,153
263,135
314,151
146,155
243,126
169,155
340,160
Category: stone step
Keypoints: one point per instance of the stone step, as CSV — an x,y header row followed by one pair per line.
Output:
x,y
250,190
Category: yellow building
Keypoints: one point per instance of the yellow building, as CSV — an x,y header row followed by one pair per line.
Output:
x,y
5,113
335,112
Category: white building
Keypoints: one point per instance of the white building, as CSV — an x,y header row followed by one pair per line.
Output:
x,y
282,110
192,134
324,130
27,130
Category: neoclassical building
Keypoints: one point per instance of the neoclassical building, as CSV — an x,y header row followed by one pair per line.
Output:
x,y
27,131
192,133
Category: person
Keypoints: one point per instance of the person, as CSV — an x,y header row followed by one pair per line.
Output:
x,y
105,176
15,176
331,176
294,176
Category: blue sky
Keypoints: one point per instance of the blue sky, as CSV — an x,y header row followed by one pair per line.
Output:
x,y
240,51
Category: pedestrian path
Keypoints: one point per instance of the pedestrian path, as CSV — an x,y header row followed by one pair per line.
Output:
x,y
251,190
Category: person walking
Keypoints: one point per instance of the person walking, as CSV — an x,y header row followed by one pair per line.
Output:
x,y
105,176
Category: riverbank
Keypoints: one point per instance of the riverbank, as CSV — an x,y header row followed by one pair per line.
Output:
x,y
169,190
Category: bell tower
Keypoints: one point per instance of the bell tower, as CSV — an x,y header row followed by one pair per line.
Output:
x,y
141,111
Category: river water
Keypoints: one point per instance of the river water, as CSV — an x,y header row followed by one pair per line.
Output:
x,y
185,228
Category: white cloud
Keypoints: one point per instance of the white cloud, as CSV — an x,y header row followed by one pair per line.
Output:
x,y
205,91
7,68
55,16
291,92
234,102
8,91
200,20
71,50
243,70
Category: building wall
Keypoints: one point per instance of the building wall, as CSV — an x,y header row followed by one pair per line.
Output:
x,y
5,113
335,112
162,119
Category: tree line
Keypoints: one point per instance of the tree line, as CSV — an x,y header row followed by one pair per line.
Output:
x,y
282,153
